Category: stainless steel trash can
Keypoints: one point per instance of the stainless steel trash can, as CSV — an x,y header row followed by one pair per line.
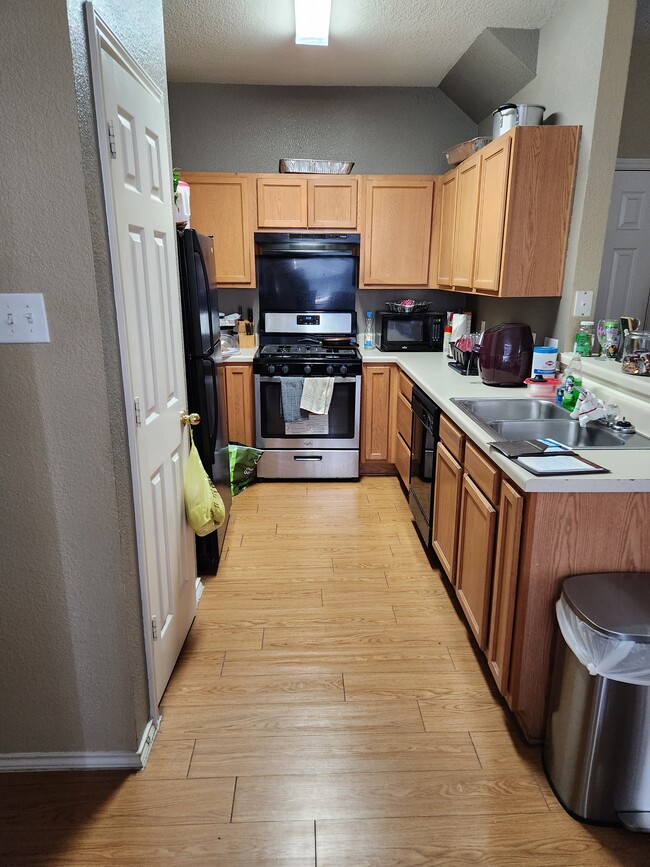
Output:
x,y
597,749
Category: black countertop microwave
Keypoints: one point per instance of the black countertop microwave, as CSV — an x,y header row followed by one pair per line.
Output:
x,y
409,332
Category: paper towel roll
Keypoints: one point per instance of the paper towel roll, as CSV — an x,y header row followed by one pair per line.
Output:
x,y
461,323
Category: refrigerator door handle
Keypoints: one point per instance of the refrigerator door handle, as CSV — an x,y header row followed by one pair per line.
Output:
x,y
215,394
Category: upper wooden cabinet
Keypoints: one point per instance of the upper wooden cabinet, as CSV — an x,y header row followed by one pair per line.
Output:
x,y
510,207
397,230
296,202
222,206
467,186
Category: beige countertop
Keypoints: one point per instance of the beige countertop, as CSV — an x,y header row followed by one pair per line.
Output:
x,y
629,469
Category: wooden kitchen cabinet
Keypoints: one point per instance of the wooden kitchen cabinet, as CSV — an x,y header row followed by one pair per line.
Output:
x,y
504,585
403,422
493,187
397,231
446,509
240,403
444,244
296,202
467,187
377,419
222,205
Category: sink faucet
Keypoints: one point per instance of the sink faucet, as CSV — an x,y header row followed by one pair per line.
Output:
x,y
588,408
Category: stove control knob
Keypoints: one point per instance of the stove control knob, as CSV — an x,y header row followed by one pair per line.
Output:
x,y
344,369
285,368
329,370
307,368
270,369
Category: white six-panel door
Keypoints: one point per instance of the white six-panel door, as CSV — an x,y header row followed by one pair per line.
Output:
x,y
143,252
625,275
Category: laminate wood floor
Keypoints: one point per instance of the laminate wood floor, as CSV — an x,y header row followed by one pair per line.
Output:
x,y
328,710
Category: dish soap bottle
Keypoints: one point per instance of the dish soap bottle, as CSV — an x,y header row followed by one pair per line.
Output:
x,y
369,335
572,383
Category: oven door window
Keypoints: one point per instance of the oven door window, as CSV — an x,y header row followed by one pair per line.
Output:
x,y
404,330
338,424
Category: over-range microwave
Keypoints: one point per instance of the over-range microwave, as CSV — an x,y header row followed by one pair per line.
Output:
x,y
409,332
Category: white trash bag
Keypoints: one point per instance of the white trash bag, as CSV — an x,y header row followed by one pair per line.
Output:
x,y
615,659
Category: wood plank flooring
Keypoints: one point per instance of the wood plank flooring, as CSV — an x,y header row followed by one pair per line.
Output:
x,y
328,710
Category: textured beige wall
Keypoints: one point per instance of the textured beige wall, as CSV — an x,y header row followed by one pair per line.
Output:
x,y
581,77
72,673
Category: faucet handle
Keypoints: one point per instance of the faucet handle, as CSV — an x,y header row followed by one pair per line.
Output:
x,y
611,413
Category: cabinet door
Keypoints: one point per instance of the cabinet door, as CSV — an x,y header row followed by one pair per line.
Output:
x,y
446,228
465,221
282,203
475,556
240,403
397,234
493,188
504,591
446,503
375,422
332,203
221,206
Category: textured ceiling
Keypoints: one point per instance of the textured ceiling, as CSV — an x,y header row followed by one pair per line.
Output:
x,y
372,42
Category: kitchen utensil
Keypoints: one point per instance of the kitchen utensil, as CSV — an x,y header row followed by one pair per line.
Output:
x,y
506,354
508,115
328,341
321,167
460,152
402,307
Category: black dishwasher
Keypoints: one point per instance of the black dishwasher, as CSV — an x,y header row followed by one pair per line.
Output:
x,y
424,437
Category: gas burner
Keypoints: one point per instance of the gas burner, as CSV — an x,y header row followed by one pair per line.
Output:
x,y
305,359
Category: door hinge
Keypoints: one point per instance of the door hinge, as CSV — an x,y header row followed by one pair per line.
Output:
x,y
111,140
154,627
136,406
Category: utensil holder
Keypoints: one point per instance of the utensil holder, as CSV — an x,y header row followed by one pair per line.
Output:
x,y
246,341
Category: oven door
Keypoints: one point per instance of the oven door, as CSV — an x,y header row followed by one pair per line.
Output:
x,y
424,436
339,429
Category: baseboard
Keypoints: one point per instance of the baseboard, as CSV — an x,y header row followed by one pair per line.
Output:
x,y
83,761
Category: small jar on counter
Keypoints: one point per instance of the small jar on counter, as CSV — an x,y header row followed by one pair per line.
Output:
x,y
584,339
636,353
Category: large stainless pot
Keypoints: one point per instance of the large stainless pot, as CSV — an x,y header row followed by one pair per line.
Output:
x,y
508,115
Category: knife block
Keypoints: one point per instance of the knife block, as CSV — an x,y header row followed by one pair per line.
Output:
x,y
246,341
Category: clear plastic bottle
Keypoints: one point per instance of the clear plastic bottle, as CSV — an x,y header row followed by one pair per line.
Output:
x,y
572,383
584,339
369,334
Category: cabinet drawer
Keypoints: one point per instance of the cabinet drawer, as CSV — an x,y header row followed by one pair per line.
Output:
x,y
452,437
405,385
404,415
486,476
402,459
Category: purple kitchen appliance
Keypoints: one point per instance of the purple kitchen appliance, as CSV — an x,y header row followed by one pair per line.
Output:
x,y
506,354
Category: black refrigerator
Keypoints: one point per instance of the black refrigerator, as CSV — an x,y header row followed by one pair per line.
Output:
x,y
205,376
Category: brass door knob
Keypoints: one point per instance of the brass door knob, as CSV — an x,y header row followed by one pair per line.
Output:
x,y
192,418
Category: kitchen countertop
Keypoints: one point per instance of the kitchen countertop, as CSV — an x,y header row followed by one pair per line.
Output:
x,y
629,469
244,355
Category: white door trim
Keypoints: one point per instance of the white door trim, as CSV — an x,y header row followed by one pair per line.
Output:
x,y
632,165
100,36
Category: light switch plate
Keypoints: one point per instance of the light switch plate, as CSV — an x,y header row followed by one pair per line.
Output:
x,y
583,303
23,318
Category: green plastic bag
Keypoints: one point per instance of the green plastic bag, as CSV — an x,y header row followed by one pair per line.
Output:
x,y
243,460
203,504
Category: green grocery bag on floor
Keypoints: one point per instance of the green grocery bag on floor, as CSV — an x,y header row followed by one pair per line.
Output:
x,y
203,504
243,460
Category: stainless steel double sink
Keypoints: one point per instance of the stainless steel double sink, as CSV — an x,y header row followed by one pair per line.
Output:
x,y
529,418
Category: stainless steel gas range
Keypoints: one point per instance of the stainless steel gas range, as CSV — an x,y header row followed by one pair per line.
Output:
x,y
307,355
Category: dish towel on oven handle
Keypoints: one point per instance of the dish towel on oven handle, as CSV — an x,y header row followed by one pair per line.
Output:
x,y
317,394
291,388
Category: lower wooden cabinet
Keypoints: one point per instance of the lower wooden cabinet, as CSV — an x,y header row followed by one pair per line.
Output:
x,y
446,505
241,403
476,537
504,586
375,414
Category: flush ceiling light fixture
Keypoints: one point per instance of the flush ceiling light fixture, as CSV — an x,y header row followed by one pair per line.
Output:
x,y
312,21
